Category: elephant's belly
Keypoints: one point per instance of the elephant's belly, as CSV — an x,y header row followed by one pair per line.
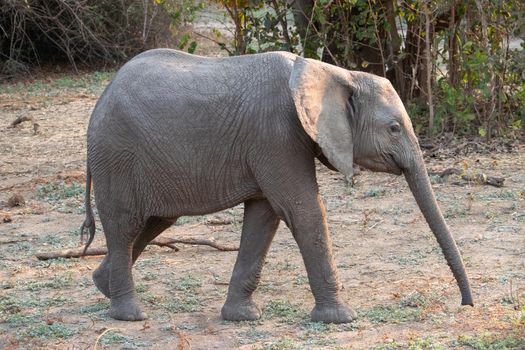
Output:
x,y
195,198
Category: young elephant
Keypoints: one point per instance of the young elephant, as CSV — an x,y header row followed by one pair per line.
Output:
x,y
175,134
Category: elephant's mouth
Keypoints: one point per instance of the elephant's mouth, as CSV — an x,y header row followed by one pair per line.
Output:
x,y
385,163
394,168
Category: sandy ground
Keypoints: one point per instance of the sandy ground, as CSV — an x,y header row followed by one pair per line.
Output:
x,y
391,267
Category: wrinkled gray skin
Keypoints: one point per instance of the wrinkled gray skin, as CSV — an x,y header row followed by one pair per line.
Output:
x,y
175,134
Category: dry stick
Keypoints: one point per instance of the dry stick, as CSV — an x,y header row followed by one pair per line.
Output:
x,y
21,119
376,32
101,335
310,22
429,71
478,177
161,242
195,241
281,17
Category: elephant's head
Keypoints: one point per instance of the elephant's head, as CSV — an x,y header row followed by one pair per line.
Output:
x,y
358,117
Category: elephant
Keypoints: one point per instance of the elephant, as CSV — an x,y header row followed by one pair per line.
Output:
x,y
175,134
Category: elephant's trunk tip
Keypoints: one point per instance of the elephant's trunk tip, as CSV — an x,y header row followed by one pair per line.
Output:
x,y
466,296
467,300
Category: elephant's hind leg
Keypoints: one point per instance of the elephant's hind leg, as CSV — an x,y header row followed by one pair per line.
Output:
x,y
154,227
259,227
120,231
124,301
101,277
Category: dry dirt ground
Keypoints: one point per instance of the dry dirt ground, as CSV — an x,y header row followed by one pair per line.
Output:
x,y
392,270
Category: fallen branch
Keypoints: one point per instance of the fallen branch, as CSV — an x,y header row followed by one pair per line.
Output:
x,y
161,242
480,178
21,119
71,253
207,242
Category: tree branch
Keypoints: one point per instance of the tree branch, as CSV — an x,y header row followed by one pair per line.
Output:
x,y
161,242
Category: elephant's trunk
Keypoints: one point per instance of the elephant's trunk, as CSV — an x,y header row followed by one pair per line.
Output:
x,y
418,181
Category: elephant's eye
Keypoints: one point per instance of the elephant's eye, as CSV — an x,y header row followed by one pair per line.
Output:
x,y
395,127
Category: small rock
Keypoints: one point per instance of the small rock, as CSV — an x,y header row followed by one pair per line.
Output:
x,y
6,219
16,200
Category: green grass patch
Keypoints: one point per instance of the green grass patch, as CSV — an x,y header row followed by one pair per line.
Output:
x,y
413,258
408,309
22,249
9,284
504,194
425,344
320,340
56,282
418,344
63,262
187,326
314,327
187,303
284,311
150,276
141,288
124,341
148,261
185,299
375,192
112,337
19,319
391,314
281,344
53,192
300,280
266,287
252,335
437,179
491,342
14,303
421,300
186,284
455,210
51,331
183,220
100,306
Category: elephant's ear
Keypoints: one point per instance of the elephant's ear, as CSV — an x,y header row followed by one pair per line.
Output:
x,y
321,93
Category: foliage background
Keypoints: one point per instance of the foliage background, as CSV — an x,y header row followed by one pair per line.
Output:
x,y
459,66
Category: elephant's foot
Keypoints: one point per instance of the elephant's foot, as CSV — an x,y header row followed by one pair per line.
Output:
x,y
101,279
337,313
245,310
126,308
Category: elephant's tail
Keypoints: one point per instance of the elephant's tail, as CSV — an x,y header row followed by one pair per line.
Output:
x,y
89,222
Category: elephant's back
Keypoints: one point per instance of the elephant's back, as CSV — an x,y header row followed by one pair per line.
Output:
x,y
166,99
162,66
178,60
165,87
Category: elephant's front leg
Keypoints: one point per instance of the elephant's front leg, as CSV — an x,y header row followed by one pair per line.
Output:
x,y
259,226
308,224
